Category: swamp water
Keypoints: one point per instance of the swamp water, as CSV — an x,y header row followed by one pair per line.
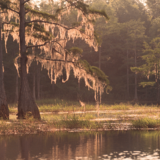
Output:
x,y
82,146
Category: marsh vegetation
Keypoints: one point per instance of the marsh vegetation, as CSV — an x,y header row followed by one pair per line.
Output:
x,y
58,114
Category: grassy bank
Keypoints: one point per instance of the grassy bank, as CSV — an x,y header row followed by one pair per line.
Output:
x,y
32,126
146,123
59,114
71,123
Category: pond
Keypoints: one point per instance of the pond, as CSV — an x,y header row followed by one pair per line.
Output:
x,y
85,145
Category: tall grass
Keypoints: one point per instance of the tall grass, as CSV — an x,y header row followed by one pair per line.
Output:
x,y
119,107
57,105
146,123
72,122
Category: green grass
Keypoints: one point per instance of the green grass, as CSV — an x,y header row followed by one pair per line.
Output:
x,y
61,117
72,122
119,107
57,105
146,123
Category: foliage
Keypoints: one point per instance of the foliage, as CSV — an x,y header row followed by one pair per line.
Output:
x,y
94,71
151,57
143,84
75,50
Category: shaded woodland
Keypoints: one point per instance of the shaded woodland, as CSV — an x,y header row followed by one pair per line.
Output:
x,y
129,54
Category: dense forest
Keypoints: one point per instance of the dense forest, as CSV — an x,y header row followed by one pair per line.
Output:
x,y
129,48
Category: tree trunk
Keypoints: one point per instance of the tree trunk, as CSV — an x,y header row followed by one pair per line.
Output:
x,y
34,82
100,97
158,101
26,103
127,77
38,81
158,98
135,96
16,90
4,111
99,57
78,92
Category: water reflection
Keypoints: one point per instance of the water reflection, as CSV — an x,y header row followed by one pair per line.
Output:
x,y
86,146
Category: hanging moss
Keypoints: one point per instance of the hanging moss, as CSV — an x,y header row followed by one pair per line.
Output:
x,y
42,14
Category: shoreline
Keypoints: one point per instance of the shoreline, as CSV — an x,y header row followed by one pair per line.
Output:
x,y
110,118
30,127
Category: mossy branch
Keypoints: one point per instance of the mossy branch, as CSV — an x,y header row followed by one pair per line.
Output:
x,y
41,14
99,12
95,71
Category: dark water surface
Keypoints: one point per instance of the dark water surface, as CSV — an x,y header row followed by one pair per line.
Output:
x,y
86,146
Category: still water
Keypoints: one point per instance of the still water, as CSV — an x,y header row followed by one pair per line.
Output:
x,y
82,146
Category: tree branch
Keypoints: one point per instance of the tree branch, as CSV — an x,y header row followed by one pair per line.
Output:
x,y
54,24
31,46
49,23
12,10
54,60
6,23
